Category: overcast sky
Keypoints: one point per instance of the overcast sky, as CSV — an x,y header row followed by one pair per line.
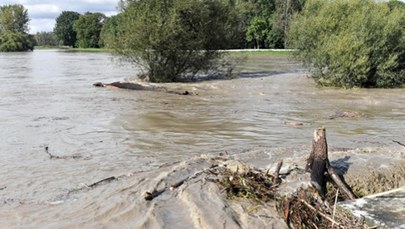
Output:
x,y
44,12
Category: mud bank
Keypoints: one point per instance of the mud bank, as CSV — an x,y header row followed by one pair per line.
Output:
x,y
186,194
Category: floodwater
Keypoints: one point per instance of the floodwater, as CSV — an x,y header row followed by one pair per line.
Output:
x,y
47,100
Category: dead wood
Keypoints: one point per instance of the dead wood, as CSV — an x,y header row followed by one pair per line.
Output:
x,y
276,175
55,157
319,212
108,179
318,164
402,144
340,182
317,160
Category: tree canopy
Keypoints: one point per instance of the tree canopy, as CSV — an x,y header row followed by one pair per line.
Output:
x,y
14,29
351,43
88,28
64,30
174,39
46,39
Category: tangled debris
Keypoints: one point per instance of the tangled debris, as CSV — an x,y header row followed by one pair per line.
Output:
x,y
313,207
252,185
304,209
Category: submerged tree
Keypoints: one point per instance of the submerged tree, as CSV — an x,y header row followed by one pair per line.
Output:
x,y
14,29
351,43
174,39
64,28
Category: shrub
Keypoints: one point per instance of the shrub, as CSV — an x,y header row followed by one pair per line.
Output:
x,y
351,43
173,39
16,42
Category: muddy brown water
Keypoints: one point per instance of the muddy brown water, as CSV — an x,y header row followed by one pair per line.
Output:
x,y
47,99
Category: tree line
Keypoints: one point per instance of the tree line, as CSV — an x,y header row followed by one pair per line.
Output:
x,y
255,24
344,43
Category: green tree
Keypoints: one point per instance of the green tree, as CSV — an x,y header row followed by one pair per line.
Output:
x,y
64,28
174,39
265,21
16,42
88,28
14,29
46,39
351,43
393,4
109,32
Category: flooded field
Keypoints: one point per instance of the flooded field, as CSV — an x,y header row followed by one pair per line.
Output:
x,y
48,101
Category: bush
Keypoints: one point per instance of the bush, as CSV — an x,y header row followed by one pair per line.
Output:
x,y
16,42
173,39
351,43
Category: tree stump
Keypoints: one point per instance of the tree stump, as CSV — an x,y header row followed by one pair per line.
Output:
x,y
317,160
318,164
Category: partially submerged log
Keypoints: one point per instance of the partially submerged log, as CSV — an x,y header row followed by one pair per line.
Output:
x,y
140,87
130,86
318,164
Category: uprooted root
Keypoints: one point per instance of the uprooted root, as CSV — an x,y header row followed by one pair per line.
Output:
x,y
304,209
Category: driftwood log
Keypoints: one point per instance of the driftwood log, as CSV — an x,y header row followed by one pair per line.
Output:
x,y
320,168
140,87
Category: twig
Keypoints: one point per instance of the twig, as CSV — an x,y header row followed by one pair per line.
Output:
x,y
402,144
155,193
385,193
334,206
320,213
51,156
108,179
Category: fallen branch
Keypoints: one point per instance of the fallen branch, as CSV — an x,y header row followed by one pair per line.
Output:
x,y
155,193
54,157
320,213
108,179
339,182
402,144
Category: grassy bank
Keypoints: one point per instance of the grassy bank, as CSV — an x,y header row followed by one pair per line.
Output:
x,y
69,49
87,50
262,52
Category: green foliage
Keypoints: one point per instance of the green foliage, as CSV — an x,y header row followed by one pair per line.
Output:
x,y
16,41
13,29
88,28
265,21
174,39
64,28
46,39
109,32
13,18
351,43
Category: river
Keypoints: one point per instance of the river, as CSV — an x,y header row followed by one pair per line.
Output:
x,y
47,100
